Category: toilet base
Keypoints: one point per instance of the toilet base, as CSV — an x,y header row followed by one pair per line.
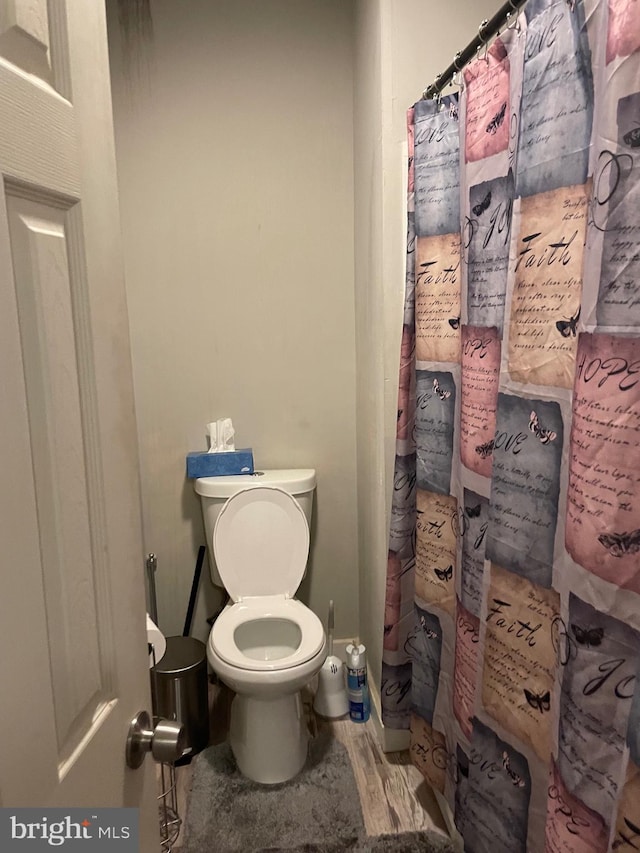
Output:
x,y
268,737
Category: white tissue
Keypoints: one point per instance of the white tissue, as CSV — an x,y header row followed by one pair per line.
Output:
x,y
221,433
155,638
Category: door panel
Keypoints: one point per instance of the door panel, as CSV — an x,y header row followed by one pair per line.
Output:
x,y
73,671
49,328
24,36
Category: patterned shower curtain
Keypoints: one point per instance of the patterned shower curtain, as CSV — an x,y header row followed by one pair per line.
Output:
x,y
512,624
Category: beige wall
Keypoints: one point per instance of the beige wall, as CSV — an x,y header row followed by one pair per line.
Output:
x,y
400,46
234,137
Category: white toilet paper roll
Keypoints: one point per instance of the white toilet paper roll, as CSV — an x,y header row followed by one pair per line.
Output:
x,y
156,638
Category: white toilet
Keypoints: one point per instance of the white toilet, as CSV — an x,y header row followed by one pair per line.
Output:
x,y
264,645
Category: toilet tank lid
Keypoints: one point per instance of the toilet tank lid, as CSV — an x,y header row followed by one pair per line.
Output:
x,y
295,481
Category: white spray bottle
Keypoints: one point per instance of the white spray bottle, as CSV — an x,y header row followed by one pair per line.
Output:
x,y
357,686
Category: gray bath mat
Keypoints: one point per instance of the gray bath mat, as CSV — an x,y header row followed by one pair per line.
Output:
x,y
228,813
317,812
404,842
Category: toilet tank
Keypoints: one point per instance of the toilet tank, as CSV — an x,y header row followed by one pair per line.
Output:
x,y
215,491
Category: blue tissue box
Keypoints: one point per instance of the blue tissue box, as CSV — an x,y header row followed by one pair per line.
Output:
x,y
203,464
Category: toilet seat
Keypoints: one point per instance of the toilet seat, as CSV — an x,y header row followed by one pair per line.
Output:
x,y
223,634
261,543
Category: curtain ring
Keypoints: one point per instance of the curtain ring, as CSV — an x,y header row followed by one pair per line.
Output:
x,y
425,95
515,24
455,61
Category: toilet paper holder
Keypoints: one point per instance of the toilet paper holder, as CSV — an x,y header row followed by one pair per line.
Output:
x,y
170,820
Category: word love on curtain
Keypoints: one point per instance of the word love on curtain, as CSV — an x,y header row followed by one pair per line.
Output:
x,y
512,628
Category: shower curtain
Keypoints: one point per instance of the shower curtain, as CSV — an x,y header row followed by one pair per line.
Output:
x,y
512,620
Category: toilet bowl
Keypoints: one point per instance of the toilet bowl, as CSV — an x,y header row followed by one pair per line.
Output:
x,y
265,645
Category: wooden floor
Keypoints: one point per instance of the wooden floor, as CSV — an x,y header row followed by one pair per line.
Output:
x,y
393,793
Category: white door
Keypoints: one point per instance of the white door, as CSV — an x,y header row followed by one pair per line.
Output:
x,y
73,659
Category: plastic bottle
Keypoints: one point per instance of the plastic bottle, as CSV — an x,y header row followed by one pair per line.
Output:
x,y
357,687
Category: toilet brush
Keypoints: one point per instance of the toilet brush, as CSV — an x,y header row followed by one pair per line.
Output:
x,y
331,697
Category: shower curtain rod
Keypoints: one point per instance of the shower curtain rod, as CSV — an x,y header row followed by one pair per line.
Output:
x,y
486,31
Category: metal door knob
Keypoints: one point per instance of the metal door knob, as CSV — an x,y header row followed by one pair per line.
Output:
x,y
166,742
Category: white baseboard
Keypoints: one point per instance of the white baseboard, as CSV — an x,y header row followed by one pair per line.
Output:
x,y
390,740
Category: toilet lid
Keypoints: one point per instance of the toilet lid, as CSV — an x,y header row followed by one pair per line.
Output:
x,y
261,543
